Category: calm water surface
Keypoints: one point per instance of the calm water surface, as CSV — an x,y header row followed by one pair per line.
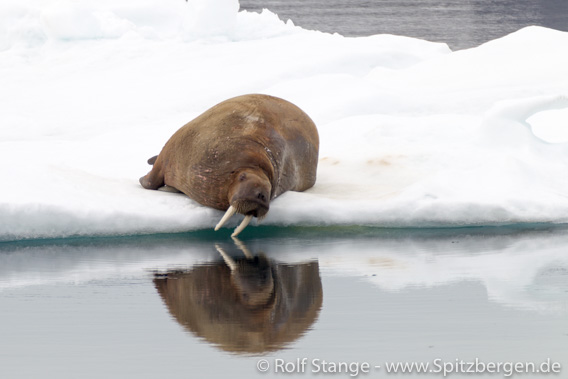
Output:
x,y
200,304
459,23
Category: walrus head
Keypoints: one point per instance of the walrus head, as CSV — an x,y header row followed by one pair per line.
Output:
x,y
249,194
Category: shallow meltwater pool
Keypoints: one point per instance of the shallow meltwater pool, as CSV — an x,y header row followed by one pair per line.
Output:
x,y
322,302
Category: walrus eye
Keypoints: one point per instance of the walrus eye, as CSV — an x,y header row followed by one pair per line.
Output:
x,y
242,177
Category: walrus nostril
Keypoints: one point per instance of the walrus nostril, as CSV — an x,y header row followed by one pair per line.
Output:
x,y
261,196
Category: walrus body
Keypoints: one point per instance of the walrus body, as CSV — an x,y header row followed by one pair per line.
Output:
x,y
239,155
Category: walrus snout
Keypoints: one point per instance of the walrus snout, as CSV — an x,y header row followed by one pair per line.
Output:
x,y
253,201
250,196
250,187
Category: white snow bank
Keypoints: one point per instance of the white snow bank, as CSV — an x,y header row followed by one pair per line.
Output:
x,y
411,133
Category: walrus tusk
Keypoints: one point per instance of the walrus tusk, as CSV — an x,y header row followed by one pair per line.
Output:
x,y
230,212
242,226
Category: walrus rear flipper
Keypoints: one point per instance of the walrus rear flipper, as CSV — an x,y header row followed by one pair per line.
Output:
x,y
155,178
152,160
149,184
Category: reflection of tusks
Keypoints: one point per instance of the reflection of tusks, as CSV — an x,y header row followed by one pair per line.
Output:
x,y
243,248
242,226
230,212
228,260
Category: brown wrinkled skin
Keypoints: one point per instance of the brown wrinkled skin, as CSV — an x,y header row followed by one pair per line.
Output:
x,y
258,135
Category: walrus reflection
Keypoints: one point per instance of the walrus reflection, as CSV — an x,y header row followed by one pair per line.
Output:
x,y
251,277
246,305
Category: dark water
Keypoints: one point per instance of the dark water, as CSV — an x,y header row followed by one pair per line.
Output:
x,y
459,23
201,305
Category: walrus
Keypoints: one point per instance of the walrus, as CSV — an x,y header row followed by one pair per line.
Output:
x,y
239,155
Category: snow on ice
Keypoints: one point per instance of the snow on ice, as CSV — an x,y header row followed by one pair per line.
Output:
x,y
412,134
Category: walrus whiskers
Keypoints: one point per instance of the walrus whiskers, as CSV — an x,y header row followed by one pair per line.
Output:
x,y
242,226
230,212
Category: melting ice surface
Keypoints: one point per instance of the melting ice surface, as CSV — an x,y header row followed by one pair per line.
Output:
x,y
412,134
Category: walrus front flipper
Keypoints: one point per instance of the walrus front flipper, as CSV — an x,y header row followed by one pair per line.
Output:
x,y
152,160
